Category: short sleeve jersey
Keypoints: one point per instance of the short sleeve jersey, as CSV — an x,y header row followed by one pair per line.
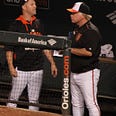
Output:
x,y
25,58
89,38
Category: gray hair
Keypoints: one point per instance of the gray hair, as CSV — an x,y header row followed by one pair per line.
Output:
x,y
87,16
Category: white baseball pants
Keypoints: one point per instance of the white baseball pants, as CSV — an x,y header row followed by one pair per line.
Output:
x,y
84,90
33,81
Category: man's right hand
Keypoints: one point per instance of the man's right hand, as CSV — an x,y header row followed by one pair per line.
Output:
x,y
13,72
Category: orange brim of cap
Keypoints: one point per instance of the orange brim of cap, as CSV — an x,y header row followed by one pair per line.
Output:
x,y
71,10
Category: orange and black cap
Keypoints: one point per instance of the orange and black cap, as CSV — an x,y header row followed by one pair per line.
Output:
x,y
80,7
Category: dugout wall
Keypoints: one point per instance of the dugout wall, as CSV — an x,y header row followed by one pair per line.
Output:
x,y
51,93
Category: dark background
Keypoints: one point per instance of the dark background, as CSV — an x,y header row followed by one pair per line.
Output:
x,y
57,22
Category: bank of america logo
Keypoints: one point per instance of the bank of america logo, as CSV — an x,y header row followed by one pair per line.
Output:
x,y
112,17
52,42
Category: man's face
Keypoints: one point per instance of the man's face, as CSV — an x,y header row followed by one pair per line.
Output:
x,y
30,7
76,17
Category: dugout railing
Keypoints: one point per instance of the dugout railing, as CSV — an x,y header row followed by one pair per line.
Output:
x,y
55,95
50,96
53,92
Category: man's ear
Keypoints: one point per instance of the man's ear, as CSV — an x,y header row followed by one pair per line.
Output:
x,y
23,6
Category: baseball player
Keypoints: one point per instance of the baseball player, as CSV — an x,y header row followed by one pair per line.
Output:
x,y
85,50
26,64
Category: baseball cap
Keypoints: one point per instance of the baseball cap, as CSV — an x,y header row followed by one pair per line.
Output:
x,y
22,2
80,7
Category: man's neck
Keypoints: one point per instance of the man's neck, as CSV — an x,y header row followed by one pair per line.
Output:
x,y
27,17
82,22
